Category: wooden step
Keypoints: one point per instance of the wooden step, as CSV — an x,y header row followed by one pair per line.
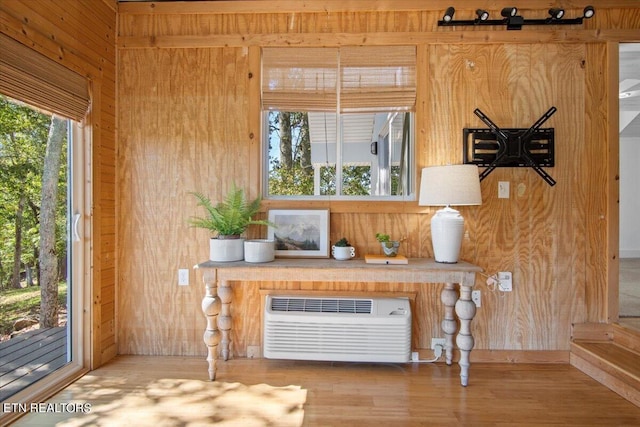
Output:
x,y
627,337
611,364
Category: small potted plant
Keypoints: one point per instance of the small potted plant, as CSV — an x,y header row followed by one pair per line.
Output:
x,y
226,221
342,250
389,247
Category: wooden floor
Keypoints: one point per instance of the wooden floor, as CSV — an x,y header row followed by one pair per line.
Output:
x,y
29,357
173,391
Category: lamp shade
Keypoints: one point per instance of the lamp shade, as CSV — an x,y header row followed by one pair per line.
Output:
x,y
450,185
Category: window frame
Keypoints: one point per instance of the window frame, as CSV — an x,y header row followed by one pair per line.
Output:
x,y
409,193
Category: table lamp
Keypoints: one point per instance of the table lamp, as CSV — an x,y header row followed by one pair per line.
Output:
x,y
451,185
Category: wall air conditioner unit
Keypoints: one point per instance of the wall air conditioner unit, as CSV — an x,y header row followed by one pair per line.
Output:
x,y
337,329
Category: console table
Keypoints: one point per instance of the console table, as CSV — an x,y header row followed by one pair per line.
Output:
x,y
217,277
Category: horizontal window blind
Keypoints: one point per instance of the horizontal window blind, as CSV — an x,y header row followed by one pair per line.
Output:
x,y
351,79
299,79
27,76
377,78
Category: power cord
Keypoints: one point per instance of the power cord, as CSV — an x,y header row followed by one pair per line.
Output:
x,y
493,283
437,352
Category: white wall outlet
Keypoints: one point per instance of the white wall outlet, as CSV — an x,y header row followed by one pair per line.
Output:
x,y
183,277
505,281
415,356
503,189
476,297
437,341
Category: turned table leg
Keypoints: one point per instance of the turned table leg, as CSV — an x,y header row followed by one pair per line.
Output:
x,y
449,297
466,310
211,309
224,320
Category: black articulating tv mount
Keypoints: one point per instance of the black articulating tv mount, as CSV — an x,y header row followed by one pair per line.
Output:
x,y
495,147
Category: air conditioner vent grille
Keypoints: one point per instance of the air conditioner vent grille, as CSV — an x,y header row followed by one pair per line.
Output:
x,y
366,329
321,305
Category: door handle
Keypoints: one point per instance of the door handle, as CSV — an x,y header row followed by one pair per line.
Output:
x,y
74,227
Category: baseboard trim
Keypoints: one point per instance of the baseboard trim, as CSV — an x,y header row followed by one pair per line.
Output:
x,y
520,356
508,356
592,331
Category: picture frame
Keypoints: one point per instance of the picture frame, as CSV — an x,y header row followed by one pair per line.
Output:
x,y
300,233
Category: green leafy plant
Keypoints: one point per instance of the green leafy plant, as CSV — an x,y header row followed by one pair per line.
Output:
x,y
383,238
230,217
390,247
342,243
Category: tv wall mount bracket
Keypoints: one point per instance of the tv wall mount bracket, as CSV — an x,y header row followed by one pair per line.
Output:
x,y
510,147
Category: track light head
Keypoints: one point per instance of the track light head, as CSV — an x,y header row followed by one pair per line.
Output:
x,y
483,15
588,12
448,14
556,13
508,12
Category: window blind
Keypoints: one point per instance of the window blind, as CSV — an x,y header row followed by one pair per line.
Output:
x,y
377,78
299,79
30,77
351,79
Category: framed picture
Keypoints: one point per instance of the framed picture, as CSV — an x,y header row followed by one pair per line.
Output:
x,y
300,233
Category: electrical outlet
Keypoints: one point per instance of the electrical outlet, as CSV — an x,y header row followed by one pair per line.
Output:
x,y
415,356
476,297
505,281
437,341
183,277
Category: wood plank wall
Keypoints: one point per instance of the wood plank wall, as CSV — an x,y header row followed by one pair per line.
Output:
x,y
82,37
189,120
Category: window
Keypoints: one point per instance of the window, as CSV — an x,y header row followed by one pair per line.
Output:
x,y
339,122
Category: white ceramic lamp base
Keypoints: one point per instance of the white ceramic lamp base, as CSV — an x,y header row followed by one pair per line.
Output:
x,y
447,230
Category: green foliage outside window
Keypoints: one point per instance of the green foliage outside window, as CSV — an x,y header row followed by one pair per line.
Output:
x,y
23,143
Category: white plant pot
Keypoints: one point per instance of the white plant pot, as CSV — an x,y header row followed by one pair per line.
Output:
x,y
259,250
226,250
343,253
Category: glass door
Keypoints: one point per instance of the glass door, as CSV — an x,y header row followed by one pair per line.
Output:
x,y
42,187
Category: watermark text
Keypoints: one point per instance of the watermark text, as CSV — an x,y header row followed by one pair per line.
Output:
x,y
58,408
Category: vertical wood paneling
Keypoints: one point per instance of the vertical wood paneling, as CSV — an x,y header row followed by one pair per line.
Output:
x,y
185,132
187,115
597,163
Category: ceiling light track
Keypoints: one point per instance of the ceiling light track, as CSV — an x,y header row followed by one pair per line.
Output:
x,y
512,20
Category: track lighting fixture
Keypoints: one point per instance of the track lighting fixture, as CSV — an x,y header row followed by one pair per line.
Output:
x,y
513,21
508,12
556,13
448,14
588,12
483,15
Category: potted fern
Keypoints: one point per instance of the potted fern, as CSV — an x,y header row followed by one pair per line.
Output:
x,y
227,221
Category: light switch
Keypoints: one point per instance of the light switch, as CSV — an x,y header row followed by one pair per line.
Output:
x,y
503,189
183,277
